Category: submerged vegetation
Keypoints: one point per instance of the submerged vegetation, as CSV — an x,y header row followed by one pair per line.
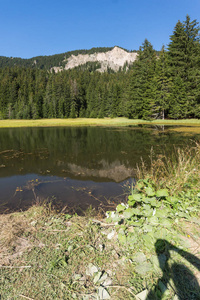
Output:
x,y
148,246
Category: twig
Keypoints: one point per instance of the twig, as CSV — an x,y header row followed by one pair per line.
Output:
x,y
12,267
26,297
123,287
57,230
33,190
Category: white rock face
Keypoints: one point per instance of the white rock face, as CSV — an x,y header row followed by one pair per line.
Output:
x,y
113,59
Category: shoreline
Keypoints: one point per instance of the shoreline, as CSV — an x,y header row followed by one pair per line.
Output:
x,y
115,122
148,245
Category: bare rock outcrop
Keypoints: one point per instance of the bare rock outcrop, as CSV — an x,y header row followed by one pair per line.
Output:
x,y
113,59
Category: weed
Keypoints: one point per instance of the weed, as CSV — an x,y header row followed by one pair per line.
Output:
x,y
179,173
141,247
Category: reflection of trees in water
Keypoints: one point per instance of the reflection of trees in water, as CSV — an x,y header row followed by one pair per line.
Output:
x,y
64,194
54,148
185,285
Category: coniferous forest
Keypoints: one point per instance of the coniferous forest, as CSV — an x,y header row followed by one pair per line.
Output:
x,y
158,85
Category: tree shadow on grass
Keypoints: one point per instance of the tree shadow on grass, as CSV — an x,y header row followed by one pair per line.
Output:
x,y
185,284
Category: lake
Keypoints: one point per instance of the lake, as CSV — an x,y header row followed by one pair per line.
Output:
x,y
77,167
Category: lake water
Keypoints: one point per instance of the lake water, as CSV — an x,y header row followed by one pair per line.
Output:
x,y
76,167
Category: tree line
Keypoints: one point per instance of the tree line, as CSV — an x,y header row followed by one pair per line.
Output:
x,y
47,62
156,85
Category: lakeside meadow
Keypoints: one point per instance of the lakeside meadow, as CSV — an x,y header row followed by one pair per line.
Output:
x,y
112,122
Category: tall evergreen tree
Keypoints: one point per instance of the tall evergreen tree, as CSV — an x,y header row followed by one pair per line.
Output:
x,y
162,83
142,88
183,57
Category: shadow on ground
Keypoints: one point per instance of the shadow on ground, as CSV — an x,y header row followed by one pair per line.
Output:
x,y
177,276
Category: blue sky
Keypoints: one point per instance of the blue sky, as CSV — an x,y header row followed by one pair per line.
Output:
x,y
30,28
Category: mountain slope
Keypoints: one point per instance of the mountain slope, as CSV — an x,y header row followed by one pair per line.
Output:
x,y
105,57
113,59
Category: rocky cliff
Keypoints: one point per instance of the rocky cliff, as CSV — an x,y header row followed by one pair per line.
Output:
x,y
113,59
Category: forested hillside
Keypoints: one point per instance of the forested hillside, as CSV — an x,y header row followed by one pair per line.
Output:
x,y
156,86
47,62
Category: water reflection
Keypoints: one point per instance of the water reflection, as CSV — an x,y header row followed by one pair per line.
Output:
x,y
62,162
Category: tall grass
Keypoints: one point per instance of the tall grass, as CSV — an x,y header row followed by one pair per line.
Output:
x,y
178,172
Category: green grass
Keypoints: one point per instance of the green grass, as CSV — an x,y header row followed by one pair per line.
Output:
x,y
179,173
151,245
49,256
57,253
93,122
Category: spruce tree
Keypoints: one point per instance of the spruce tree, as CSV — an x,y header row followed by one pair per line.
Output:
x,y
142,88
162,83
184,66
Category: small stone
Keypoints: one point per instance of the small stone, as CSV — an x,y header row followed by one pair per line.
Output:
x,y
91,269
103,294
142,295
111,234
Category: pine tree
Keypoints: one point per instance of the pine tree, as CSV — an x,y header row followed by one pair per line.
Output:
x,y
163,83
183,57
142,88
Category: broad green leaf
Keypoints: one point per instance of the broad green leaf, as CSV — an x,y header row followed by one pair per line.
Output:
x,y
154,202
116,219
131,202
150,192
147,207
172,199
147,228
149,241
148,212
135,223
139,257
147,200
162,213
128,213
153,220
162,193
162,233
165,222
143,268
137,211
137,197
120,208
155,261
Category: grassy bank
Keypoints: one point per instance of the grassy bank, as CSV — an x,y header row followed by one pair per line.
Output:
x,y
93,122
147,246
